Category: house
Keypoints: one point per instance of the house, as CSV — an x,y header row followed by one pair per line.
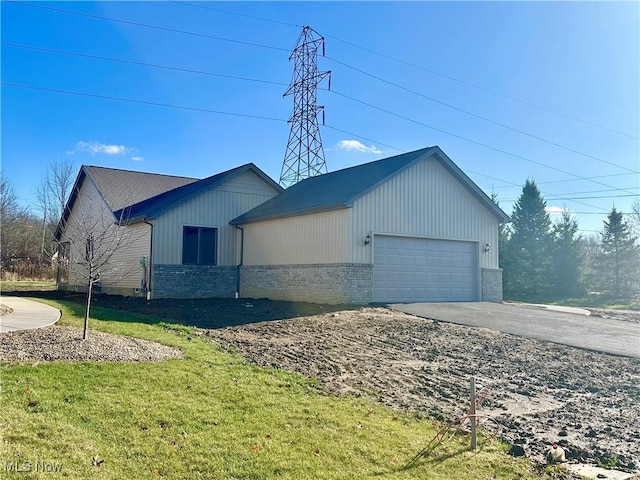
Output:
x,y
408,228
179,239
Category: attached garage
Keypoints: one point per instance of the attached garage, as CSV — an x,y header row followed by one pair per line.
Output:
x,y
412,269
409,228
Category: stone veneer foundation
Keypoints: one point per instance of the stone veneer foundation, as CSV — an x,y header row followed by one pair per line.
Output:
x,y
342,283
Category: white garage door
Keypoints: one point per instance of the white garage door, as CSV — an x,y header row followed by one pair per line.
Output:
x,y
407,269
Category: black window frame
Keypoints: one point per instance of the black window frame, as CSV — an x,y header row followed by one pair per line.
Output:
x,y
199,245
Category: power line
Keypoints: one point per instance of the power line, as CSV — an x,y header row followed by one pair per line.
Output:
x,y
494,92
200,72
144,64
598,176
419,67
146,25
559,197
364,138
598,213
467,112
475,142
98,57
186,4
181,107
343,64
143,102
404,150
553,181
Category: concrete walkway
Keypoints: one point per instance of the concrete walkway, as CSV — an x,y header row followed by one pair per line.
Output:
x,y
26,314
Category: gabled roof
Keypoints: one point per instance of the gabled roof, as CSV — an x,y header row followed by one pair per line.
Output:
x,y
341,188
152,207
120,188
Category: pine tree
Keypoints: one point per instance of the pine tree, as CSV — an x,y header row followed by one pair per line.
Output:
x,y
618,261
529,269
568,257
504,259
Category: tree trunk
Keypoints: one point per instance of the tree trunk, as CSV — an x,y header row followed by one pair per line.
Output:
x,y
86,312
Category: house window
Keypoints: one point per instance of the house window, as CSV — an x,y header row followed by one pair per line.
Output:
x,y
199,246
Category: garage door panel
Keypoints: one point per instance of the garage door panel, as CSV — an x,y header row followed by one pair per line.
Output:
x,y
417,269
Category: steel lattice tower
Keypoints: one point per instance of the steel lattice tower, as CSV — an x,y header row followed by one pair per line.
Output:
x,y
304,156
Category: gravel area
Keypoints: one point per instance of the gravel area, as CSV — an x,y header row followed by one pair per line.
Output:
x,y
4,310
65,343
536,392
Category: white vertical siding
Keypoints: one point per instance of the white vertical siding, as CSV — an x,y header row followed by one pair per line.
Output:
x,y
317,238
213,208
424,200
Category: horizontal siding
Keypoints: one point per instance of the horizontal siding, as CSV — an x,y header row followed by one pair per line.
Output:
x,y
318,238
425,200
214,208
137,246
90,211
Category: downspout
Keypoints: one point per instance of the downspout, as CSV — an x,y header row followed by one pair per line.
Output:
x,y
150,260
241,260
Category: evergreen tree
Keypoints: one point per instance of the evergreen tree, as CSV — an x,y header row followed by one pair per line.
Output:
x,y
529,269
568,256
592,250
504,258
618,261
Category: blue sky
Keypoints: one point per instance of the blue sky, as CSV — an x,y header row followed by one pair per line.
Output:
x,y
479,74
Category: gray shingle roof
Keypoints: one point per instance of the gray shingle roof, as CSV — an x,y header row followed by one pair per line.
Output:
x,y
341,188
121,188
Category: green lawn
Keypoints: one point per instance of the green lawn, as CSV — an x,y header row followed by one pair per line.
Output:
x,y
26,285
601,302
211,415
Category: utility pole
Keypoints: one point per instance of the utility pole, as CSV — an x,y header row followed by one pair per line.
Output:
x,y
304,156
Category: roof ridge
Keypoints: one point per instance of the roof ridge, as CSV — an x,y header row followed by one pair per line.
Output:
x,y
126,170
165,199
379,160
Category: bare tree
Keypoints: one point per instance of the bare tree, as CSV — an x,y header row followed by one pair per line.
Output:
x,y
634,218
92,244
51,195
12,215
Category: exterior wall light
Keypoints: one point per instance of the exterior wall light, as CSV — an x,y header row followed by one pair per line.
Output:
x,y
487,247
367,240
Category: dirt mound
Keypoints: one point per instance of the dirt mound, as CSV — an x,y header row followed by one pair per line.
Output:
x,y
535,393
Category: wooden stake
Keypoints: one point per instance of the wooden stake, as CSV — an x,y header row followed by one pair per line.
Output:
x,y
472,414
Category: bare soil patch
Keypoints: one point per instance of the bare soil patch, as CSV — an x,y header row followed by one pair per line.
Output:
x,y
65,343
537,393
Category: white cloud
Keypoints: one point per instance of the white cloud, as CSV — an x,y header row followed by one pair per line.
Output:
x,y
554,210
137,159
351,145
99,147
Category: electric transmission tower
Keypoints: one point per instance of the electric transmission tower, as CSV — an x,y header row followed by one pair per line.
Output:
x,y
304,156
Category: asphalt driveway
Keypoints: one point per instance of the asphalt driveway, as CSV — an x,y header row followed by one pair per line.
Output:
x,y
571,327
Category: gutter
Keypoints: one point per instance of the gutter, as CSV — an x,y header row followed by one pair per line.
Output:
x,y
241,260
150,260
